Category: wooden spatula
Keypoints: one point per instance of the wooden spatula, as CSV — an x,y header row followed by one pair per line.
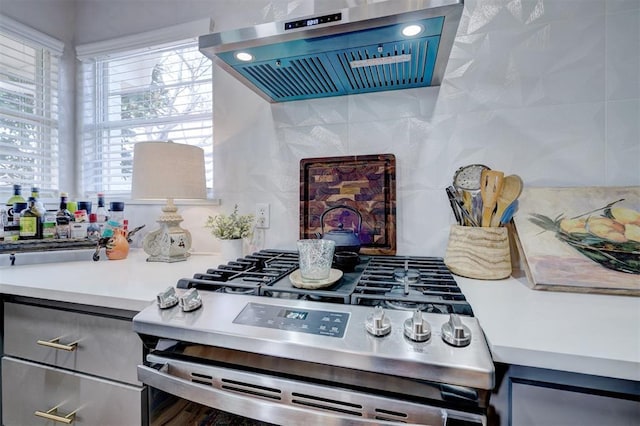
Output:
x,y
491,182
511,190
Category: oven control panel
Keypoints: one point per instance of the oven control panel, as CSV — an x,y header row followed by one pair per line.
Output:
x,y
325,323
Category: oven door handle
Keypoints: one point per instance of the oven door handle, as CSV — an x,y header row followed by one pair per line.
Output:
x,y
259,408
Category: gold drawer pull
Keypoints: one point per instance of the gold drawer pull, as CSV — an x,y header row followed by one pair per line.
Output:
x,y
55,344
53,415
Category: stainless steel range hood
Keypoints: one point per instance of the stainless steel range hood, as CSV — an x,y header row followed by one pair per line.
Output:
x,y
350,51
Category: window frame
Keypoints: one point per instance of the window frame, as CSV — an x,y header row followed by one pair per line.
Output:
x,y
48,62
115,49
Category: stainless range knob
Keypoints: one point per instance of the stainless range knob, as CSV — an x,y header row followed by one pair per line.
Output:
x,y
416,328
455,333
377,324
190,300
167,299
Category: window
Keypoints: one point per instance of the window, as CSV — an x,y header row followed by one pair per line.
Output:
x,y
28,108
155,93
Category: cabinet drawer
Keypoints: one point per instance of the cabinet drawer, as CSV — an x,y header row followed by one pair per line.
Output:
x,y
29,387
105,347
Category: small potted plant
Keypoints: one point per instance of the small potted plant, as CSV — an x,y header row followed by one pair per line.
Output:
x,y
231,230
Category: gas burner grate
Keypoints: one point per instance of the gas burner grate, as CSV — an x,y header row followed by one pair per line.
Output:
x,y
245,275
394,282
432,289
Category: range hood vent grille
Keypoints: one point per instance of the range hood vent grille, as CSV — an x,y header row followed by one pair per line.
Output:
x,y
342,58
412,70
302,77
402,65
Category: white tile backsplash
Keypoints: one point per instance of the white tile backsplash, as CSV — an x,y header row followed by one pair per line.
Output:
x,y
332,110
622,58
623,142
614,6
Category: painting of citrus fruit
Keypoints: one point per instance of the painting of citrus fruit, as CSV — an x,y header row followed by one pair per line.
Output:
x,y
581,239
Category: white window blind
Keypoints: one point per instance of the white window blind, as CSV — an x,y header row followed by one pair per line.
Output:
x,y
154,94
29,153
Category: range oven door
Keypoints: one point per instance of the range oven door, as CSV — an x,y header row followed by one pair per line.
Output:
x,y
199,388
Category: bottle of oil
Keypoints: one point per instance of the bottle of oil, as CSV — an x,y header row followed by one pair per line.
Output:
x,y
30,222
63,218
16,198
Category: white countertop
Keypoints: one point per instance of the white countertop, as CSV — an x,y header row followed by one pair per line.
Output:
x,y
576,332
129,284
583,333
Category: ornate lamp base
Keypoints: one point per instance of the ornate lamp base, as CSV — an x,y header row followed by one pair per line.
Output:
x,y
170,243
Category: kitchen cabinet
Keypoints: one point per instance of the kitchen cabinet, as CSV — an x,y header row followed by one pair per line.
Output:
x,y
528,396
61,359
46,393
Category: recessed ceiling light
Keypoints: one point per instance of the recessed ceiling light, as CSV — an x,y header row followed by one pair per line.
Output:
x,y
244,56
412,30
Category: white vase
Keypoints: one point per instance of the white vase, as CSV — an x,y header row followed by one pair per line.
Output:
x,y
231,249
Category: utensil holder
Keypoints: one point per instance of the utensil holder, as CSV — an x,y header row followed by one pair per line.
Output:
x,y
479,252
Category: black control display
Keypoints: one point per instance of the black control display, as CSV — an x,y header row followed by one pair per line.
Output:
x,y
309,22
325,323
300,315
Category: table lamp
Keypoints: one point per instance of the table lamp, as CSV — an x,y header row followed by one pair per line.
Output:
x,y
167,170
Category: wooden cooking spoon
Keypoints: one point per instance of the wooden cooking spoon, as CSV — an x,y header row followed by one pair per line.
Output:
x,y
491,182
511,190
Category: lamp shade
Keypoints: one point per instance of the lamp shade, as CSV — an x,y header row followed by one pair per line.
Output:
x,y
163,170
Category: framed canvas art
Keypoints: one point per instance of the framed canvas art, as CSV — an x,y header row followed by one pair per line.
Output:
x,y
583,239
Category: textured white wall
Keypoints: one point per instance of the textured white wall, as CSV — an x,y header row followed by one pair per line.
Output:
x,y
547,89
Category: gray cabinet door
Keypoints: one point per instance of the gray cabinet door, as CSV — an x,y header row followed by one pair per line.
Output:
x,y
100,346
29,388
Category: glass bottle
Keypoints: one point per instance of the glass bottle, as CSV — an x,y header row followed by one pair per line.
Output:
x,y
102,215
12,229
49,224
116,212
30,222
63,218
93,231
16,198
11,232
35,193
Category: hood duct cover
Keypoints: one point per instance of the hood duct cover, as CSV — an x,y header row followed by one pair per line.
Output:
x,y
356,50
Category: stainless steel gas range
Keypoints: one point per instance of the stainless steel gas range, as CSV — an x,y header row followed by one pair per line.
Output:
x,y
393,341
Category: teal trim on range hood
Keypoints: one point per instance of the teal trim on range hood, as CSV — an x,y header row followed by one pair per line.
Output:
x,y
359,50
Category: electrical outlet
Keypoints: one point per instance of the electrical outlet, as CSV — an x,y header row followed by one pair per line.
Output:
x,y
262,215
